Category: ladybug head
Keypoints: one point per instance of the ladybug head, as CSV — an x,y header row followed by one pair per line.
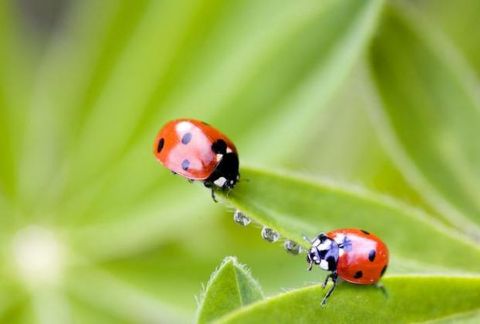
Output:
x,y
324,252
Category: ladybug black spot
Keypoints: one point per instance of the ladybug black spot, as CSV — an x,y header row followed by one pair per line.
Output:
x,y
185,164
383,270
365,232
358,275
219,147
186,138
371,255
161,142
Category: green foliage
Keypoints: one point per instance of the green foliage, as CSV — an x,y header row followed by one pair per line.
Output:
x,y
378,96
421,92
293,206
230,287
410,299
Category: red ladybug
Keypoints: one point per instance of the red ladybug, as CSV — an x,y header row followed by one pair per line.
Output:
x,y
354,255
198,151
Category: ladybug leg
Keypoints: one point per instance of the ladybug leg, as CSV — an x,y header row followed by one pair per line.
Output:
x,y
190,180
212,192
382,289
326,280
210,185
334,277
228,191
310,265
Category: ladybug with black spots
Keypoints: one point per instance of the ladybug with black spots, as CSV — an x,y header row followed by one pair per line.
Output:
x,y
353,255
198,151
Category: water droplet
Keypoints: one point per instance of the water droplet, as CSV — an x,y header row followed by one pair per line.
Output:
x,y
270,235
292,247
241,218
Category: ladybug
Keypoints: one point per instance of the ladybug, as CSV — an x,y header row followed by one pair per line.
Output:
x,y
354,255
198,151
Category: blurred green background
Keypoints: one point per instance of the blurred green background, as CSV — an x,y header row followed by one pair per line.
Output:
x,y
383,94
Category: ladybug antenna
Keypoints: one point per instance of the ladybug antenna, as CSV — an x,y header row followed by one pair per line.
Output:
x,y
305,237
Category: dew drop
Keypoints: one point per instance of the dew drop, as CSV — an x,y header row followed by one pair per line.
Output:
x,y
270,235
241,218
292,247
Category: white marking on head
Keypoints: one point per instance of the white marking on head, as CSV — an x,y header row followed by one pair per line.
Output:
x,y
316,243
324,264
220,182
229,150
325,245
219,157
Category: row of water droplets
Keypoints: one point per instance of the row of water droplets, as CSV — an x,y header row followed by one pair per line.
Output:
x,y
268,234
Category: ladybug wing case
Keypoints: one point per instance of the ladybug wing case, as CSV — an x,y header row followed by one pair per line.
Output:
x,y
185,149
364,256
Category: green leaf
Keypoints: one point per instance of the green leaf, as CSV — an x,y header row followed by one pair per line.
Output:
x,y
57,108
454,18
429,114
103,291
302,38
230,287
75,150
464,318
293,205
169,63
246,79
410,299
15,65
91,314
336,39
